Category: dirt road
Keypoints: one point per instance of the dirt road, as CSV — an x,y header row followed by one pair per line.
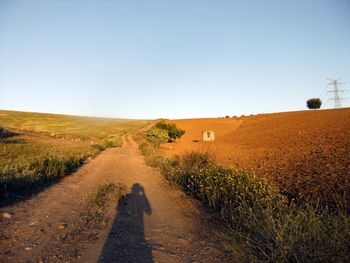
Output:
x,y
152,223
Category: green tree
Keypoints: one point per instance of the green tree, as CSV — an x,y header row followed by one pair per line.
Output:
x,y
314,103
173,131
156,137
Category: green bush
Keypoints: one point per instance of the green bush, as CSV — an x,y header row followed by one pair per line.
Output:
x,y
277,229
172,129
156,137
314,103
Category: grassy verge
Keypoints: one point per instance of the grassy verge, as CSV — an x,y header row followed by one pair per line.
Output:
x,y
38,172
276,228
38,149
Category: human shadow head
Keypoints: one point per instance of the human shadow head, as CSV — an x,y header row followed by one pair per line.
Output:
x,y
138,192
137,189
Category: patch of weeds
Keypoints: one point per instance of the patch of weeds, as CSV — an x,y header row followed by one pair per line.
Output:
x,y
108,142
152,157
105,192
93,217
278,229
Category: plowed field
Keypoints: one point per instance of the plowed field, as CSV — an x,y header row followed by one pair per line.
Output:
x,y
305,153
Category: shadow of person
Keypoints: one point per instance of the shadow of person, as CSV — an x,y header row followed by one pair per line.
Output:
x,y
126,241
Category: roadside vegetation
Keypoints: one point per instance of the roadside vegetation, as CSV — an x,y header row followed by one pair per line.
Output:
x,y
172,130
274,226
37,149
160,133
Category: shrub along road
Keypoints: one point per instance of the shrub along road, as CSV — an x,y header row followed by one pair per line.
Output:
x,y
151,223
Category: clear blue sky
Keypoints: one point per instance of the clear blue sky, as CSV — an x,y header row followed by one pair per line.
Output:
x,y
172,59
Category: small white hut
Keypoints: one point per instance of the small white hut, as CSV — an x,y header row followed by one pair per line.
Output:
x,y
208,136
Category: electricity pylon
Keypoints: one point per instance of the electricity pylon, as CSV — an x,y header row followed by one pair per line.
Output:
x,y
335,90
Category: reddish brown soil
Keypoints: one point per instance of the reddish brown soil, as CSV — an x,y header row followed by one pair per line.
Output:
x,y
305,152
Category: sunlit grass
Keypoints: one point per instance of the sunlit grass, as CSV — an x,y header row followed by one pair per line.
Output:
x,y
50,142
65,125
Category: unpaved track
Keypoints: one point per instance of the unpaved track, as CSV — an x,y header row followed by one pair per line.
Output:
x,y
153,223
